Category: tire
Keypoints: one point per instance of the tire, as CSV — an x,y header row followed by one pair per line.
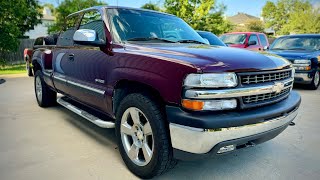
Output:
x,y
45,96
148,136
29,69
315,81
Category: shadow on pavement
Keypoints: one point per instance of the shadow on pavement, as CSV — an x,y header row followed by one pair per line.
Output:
x,y
2,81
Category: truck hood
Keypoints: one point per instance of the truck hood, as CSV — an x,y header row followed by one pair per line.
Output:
x,y
237,45
292,55
210,58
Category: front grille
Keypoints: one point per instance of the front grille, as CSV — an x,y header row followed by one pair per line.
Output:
x,y
265,77
264,97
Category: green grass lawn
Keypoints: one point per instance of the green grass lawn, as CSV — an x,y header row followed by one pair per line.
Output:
x,y
13,69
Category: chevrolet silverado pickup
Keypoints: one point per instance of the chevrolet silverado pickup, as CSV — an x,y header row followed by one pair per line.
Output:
x,y
167,93
303,51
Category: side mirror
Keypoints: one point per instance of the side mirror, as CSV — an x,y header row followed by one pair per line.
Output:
x,y
265,48
252,43
87,37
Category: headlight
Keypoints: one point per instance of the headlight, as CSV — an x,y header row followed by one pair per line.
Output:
x,y
292,73
302,64
211,80
302,61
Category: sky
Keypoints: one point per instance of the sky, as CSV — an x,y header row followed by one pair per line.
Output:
x,y
252,7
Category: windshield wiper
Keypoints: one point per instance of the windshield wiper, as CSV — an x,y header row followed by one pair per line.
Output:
x,y
149,39
278,49
190,41
296,49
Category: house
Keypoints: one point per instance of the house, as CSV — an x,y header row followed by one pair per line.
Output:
x,y
42,29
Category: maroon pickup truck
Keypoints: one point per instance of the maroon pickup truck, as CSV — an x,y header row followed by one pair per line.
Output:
x,y
166,92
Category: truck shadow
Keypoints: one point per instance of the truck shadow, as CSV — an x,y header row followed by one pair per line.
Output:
x,y
105,137
229,165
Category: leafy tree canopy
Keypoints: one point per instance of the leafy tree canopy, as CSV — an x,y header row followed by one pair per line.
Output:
x,y
255,26
200,14
151,6
16,18
291,16
67,7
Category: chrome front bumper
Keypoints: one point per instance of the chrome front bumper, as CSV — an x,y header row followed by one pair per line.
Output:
x,y
303,78
200,141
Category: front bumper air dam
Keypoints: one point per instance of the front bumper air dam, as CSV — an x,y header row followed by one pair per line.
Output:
x,y
303,78
235,127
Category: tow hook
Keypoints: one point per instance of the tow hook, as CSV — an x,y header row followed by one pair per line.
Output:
x,y
292,124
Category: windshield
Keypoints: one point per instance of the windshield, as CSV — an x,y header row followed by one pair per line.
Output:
x,y
139,25
296,43
213,39
234,38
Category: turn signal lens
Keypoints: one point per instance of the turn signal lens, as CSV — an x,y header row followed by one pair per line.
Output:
x,y
209,105
192,105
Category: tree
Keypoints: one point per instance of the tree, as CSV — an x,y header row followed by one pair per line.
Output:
x,y
255,26
16,18
150,6
67,7
304,21
199,14
281,16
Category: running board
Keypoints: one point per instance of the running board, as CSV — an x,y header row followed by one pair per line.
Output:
x,y
85,114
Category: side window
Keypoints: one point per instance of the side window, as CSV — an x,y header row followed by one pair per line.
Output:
x,y
263,40
66,36
253,37
92,20
38,41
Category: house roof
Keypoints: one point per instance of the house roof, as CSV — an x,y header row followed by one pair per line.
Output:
x,y
48,17
242,18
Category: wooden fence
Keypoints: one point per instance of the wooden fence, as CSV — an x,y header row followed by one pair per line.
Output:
x,y
17,56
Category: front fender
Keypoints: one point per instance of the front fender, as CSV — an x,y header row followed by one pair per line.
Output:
x,y
169,91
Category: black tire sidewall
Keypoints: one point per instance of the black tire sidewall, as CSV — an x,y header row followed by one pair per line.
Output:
x,y
39,74
148,170
49,96
312,86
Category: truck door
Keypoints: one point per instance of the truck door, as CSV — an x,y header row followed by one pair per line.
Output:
x,y
87,66
61,55
257,46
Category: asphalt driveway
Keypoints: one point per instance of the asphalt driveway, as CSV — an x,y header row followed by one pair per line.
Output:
x,y
54,143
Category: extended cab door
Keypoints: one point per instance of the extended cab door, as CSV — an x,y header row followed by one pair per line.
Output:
x,y
86,66
254,47
61,55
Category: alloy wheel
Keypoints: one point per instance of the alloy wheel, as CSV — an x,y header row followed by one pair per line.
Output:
x,y
137,136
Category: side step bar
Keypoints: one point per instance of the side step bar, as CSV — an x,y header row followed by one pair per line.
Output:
x,y
86,115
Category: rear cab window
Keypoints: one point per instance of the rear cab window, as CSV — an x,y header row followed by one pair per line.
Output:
x,y
70,27
263,40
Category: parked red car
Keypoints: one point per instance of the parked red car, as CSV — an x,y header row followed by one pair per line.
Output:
x,y
250,40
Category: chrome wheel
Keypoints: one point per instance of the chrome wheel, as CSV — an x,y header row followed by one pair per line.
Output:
x,y
316,79
38,88
137,136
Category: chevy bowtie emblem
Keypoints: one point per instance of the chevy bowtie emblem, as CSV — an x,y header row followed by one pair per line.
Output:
x,y
278,87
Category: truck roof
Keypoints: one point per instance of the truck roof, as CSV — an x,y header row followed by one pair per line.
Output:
x,y
100,8
244,33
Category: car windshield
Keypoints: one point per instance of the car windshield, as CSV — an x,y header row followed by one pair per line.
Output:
x,y
296,43
234,38
213,39
139,25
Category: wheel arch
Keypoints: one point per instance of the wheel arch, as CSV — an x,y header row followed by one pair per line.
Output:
x,y
125,87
